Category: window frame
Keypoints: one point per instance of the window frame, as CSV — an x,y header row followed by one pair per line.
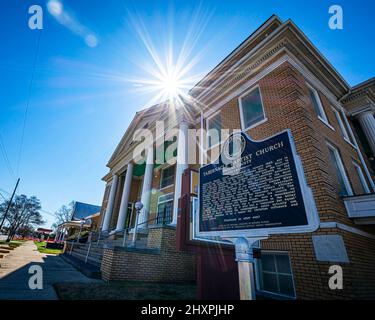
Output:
x,y
165,201
208,146
361,177
341,168
164,195
324,119
161,177
343,126
259,271
242,119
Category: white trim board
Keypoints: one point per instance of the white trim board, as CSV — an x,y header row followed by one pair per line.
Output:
x,y
338,225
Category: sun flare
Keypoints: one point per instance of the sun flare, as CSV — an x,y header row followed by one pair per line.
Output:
x,y
170,71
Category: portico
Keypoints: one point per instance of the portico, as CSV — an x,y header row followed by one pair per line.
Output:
x,y
147,190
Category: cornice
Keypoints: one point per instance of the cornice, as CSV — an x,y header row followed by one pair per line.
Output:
x,y
335,80
362,109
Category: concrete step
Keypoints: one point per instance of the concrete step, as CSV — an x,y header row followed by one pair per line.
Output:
x,y
92,250
88,269
91,260
4,251
97,256
6,247
84,253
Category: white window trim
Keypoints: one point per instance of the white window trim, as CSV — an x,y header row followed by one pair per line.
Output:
x,y
241,109
161,202
361,177
161,177
339,116
341,168
208,147
324,119
258,275
344,132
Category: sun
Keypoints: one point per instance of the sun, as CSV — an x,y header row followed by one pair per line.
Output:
x,y
170,68
171,84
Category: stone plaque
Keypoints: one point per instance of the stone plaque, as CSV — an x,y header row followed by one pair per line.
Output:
x,y
330,248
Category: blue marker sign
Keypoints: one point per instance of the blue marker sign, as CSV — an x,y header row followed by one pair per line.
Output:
x,y
255,188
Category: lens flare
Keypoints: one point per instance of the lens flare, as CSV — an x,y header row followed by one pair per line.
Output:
x,y
169,74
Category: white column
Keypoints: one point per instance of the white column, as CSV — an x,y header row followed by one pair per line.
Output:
x,y
110,204
57,235
367,121
125,198
63,234
146,188
181,165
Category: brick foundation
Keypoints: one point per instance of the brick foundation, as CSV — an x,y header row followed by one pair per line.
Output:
x,y
160,262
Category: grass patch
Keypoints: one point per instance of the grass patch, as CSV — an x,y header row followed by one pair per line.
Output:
x,y
42,249
129,290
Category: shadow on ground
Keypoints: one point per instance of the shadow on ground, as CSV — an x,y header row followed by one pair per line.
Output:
x,y
125,291
15,284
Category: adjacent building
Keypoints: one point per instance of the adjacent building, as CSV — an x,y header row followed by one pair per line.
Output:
x,y
84,217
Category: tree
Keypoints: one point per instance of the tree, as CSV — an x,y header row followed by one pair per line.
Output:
x,y
23,214
64,214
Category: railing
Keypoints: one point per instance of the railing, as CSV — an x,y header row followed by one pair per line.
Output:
x,y
97,237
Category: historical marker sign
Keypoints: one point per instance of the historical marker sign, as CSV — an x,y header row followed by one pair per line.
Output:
x,y
254,189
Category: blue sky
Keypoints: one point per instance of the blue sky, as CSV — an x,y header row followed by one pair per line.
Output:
x,y
83,96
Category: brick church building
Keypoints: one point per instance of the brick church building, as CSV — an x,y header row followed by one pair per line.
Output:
x,y
274,80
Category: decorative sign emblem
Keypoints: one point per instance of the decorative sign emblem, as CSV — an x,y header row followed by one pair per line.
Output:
x,y
256,188
234,146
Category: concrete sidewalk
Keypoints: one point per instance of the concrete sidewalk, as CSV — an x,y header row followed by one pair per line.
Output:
x,y
14,276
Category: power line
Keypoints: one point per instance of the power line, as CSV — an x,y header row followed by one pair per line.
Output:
x,y
2,190
47,212
8,193
9,204
5,156
3,196
28,100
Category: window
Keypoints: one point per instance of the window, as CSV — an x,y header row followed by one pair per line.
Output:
x,y
317,104
214,130
167,177
274,274
342,125
165,209
345,188
251,109
361,178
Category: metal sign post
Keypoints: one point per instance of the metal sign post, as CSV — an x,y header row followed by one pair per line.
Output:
x,y
262,191
138,208
245,261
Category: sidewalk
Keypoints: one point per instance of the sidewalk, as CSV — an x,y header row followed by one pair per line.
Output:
x,y
14,276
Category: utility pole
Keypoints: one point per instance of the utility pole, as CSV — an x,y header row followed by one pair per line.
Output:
x,y
9,204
